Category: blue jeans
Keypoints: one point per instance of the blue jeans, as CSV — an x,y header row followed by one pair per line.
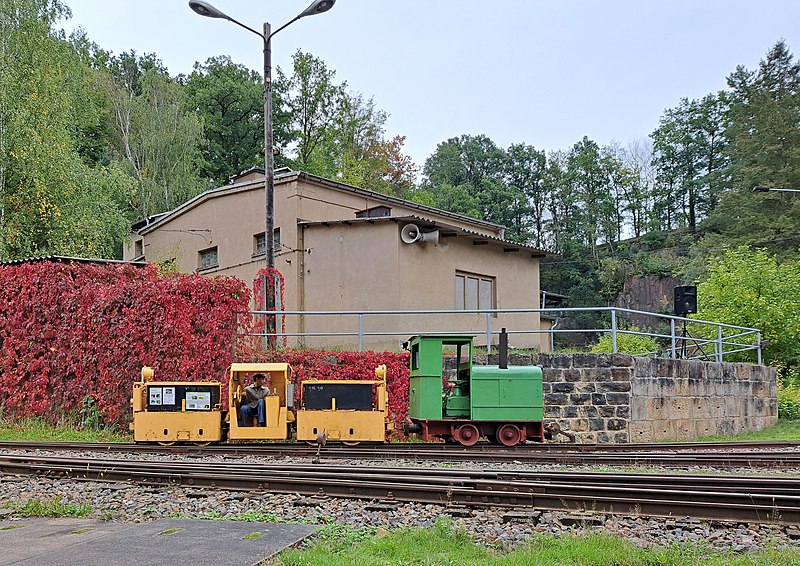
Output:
x,y
246,413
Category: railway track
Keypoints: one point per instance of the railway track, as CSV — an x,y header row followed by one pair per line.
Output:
x,y
744,499
778,454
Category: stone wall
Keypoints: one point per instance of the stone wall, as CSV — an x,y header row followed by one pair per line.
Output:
x,y
621,398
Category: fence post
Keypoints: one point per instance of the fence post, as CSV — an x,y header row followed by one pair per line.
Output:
x,y
488,335
719,343
758,337
614,330
673,353
360,330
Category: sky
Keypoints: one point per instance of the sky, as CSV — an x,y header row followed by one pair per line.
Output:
x,y
546,73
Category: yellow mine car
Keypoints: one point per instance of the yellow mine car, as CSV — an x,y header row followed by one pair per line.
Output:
x,y
350,411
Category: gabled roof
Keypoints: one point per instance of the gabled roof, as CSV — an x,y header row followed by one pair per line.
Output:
x,y
283,175
445,230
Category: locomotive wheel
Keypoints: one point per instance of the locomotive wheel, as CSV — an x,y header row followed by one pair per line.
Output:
x,y
467,434
508,435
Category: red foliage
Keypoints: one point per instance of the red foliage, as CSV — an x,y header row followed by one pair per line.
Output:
x,y
71,331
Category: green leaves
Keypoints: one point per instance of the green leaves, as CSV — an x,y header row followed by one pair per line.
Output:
x,y
747,287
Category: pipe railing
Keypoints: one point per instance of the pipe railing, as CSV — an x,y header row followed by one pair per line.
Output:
x,y
689,340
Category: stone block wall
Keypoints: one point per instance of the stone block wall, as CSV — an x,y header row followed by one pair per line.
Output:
x,y
621,398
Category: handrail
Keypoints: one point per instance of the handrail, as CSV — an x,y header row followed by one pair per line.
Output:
x,y
678,340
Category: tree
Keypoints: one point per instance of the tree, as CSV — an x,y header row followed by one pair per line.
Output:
x,y
688,145
324,129
157,141
229,99
764,149
524,172
55,195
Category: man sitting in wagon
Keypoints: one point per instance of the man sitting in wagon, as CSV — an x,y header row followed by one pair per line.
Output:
x,y
253,402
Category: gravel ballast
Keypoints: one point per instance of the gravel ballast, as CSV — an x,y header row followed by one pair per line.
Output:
x,y
499,527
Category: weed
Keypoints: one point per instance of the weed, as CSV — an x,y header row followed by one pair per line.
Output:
x,y
253,536
51,508
170,531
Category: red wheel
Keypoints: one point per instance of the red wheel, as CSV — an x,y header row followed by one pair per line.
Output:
x,y
508,435
467,434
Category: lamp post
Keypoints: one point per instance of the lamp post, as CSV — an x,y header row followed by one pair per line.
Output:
x,y
776,190
209,11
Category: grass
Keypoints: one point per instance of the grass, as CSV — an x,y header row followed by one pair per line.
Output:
x,y
784,430
36,429
444,544
50,508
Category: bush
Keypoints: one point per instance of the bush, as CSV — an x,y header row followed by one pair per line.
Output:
x,y
788,393
626,344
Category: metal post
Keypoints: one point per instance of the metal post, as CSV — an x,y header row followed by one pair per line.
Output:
x,y
269,181
360,330
758,337
719,344
614,330
488,335
673,352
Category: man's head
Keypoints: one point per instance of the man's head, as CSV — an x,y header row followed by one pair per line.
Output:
x,y
258,379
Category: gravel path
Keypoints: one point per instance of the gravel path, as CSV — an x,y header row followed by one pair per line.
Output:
x,y
497,527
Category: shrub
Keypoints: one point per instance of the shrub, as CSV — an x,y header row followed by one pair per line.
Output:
x,y
626,344
788,393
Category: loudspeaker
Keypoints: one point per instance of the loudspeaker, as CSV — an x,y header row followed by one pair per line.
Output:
x,y
411,234
685,300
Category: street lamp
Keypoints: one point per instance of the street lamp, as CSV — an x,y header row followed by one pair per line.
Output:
x,y
209,11
771,190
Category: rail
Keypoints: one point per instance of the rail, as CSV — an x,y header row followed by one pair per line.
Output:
x,y
678,337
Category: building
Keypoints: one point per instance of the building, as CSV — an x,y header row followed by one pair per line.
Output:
x,y
342,248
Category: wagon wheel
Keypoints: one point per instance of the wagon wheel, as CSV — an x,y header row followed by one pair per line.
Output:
x,y
508,435
351,442
202,444
467,434
166,442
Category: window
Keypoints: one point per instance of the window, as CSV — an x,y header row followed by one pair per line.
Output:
x,y
474,292
260,243
138,248
209,258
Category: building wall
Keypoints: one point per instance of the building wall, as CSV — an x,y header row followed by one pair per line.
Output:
x,y
337,266
621,398
366,266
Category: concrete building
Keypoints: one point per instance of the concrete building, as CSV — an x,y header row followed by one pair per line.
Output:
x,y
342,248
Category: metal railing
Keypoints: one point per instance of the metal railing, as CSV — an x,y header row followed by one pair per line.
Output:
x,y
678,337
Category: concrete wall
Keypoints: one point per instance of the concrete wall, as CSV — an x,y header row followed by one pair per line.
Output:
x,y
621,398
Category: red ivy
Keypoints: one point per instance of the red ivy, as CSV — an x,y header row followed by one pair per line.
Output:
x,y
71,331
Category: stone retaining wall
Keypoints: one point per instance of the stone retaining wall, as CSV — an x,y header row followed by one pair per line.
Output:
x,y
621,398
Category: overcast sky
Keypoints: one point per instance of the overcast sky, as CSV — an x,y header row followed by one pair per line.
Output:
x,y
545,73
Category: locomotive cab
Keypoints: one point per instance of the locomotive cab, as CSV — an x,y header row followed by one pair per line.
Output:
x,y
467,402
276,404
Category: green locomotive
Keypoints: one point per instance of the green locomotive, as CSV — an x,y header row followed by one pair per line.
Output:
x,y
501,403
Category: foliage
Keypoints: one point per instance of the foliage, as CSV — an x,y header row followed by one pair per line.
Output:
x,y
627,343
51,508
751,288
788,391
229,99
55,196
156,140
72,331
